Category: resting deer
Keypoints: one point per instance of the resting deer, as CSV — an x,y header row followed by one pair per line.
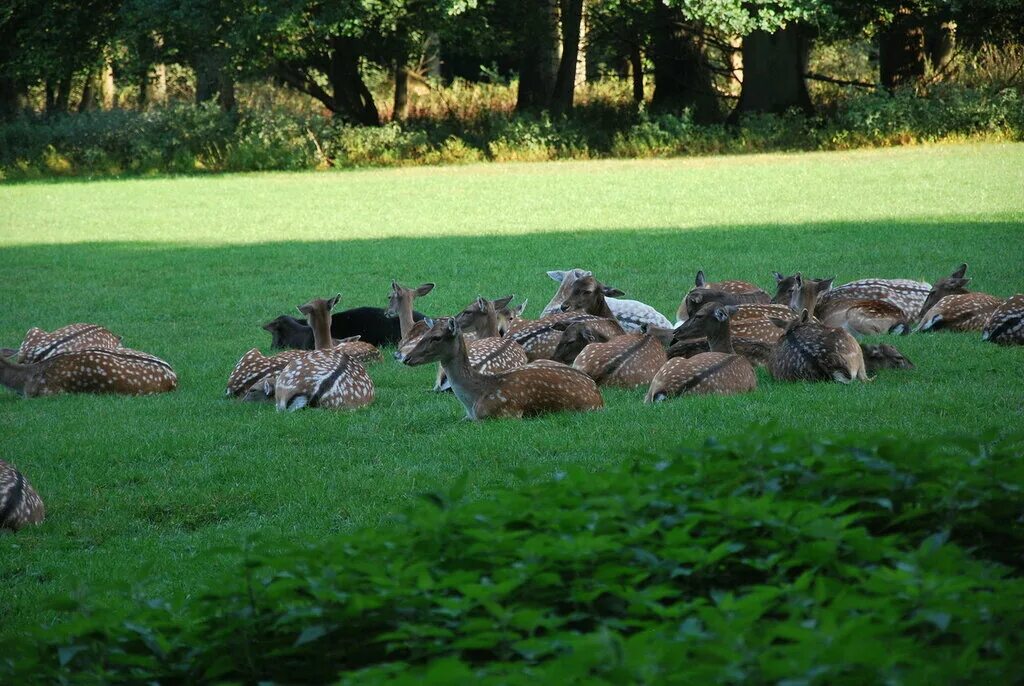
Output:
x,y
92,370
488,352
540,337
811,352
625,361
951,307
883,356
368,323
326,377
905,294
712,329
630,314
400,305
859,317
20,505
730,292
534,388
721,370
39,345
1005,325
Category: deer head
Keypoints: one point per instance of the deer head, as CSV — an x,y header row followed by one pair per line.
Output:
x,y
318,313
441,343
402,297
576,337
954,284
588,295
565,280
797,292
884,356
481,316
711,321
789,325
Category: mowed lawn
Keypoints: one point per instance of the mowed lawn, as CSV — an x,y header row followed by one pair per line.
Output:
x,y
160,495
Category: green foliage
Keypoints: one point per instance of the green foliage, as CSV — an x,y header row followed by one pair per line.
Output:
x,y
186,138
768,559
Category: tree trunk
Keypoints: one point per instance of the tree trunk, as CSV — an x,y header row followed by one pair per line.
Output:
x,y
107,91
8,97
901,54
63,100
156,86
88,101
352,99
539,63
565,81
636,71
401,108
50,96
681,75
940,42
774,65
431,60
214,79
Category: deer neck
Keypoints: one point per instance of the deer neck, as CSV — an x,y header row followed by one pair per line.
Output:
x,y
15,376
467,383
720,339
321,323
489,327
601,309
405,320
807,299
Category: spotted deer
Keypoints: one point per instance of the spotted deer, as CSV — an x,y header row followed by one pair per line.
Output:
x,y
20,505
92,370
254,369
883,356
326,377
534,388
712,325
1005,325
729,292
39,345
625,361
488,352
540,337
720,371
951,307
808,351
587,295
858,317
630,314
905,294
400,305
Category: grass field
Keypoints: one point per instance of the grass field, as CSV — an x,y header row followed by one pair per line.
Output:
x,y
162,493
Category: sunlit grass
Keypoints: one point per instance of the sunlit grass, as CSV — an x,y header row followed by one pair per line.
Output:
x,y
142,490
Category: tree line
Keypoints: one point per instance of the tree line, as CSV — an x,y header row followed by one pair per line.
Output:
x,y
690,49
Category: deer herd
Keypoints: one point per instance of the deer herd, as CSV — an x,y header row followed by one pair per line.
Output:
x,y
499,364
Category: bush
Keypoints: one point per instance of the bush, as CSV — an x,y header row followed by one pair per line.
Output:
x,y
776,560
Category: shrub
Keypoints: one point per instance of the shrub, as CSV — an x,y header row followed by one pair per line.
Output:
x,y
774,560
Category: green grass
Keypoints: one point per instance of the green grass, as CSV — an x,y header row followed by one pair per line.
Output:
x,y
162,493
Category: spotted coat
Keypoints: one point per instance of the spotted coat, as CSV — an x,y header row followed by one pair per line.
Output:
x,y
707,373
39,345
1005,325
624,361
539,337
328,379
488,356
905,294
537,388
20,505
965,312
864,317
254,368
100,370
811,352
631,314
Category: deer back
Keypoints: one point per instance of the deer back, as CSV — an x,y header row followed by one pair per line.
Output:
x,y
254,367
965,312
39,345
1005,325
905,294
538,388
811,352
625,361
706,373
539,337
323,378
864,317
20,505
104,370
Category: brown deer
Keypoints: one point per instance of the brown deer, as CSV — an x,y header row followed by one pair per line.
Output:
x,y
93,370
20,505
905,294
534,388
39,345
587,295
883,356
630,314
488,352
721,370
326,377
858,317
951,307
730,292
400,305
712,325
540,337
1005,325
254,368
625,361
809,351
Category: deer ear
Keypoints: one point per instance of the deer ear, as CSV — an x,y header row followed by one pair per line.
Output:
x,y
804,316
611,291
960,272
721,314
304,309
424,288
825,284
697,298
799,280
481,302
333,301
503,302
557,276
268,388
521,307
779,278
394,285
958,283
452,327
700,280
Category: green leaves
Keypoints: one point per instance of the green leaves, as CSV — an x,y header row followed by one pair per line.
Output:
x,y
775,560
